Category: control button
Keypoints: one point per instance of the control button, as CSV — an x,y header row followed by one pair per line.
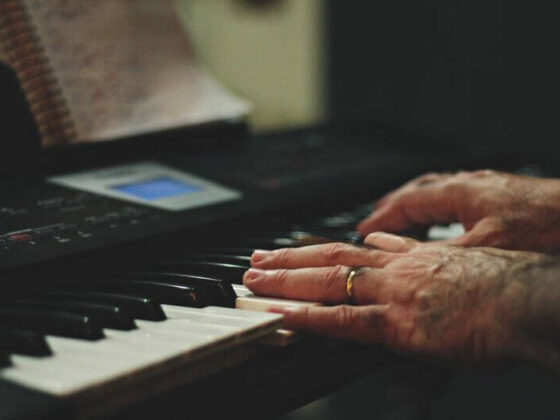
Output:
x,y
68,229
114,219
46,232
11,212
65,204
136,212
50,203
127,216
20,237
97,221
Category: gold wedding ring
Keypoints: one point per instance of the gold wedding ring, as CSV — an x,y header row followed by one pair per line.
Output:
x,y
350,284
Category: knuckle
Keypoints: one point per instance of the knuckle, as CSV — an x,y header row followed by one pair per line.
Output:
x,y
282,255
280,278
376,257
334,252
343,316
453,185
304,314
423,177
482,173
333,277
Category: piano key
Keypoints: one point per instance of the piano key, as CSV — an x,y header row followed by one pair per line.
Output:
x,y
51,322
216,315
271,242
72,370
299,238
318,236
343,220
187,335
108,316
234,319
240,251
441,232
232,273
247,300
227,258
139,307
172,294
212,291
20,341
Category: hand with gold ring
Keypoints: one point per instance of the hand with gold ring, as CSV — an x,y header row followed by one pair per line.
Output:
x,y
446,301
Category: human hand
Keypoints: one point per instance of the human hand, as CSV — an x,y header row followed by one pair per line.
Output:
x,y
497,209
437,300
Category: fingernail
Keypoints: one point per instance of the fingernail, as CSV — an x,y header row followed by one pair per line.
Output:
x,y
388,238
252,274
259,255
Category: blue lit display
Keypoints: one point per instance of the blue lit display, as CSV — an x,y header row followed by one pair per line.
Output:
x,y
156,189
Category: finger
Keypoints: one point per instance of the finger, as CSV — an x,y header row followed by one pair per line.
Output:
x,y
417,205
323,255
423,180
359,323
486,232
325,284
390,243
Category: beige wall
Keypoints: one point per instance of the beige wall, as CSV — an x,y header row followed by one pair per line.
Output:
x,y
272,56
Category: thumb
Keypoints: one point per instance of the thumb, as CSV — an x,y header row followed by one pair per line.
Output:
x,y
485,232
359,323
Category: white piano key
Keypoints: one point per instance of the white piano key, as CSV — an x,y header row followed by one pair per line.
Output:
x,y
206,317
244,314
440,232
248,301
189,333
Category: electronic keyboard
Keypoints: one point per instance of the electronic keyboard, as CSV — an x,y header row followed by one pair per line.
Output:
x,y
110,303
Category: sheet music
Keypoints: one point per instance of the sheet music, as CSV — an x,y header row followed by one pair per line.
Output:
x,y
125,67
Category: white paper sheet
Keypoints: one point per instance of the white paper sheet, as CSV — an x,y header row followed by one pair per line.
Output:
x,y
126,67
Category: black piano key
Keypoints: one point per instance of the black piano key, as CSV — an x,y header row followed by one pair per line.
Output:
x,y
108,316
344,220
160,292
270,242
362,211
227,258
232,273
51,322
297,238
214,291
244,252
310,233
4,359
139,307
29,343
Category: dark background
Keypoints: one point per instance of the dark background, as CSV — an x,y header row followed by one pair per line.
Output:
x,y
475,71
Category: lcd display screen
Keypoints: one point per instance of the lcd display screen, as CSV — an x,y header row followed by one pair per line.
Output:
x,y
157,189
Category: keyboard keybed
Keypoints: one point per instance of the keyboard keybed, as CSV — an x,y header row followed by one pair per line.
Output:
x,y
113,326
